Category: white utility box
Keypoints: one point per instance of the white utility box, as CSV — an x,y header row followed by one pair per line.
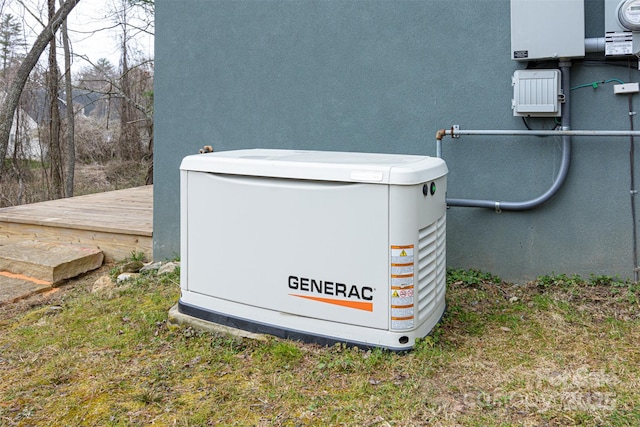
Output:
x,y
317,246
536,93
547,29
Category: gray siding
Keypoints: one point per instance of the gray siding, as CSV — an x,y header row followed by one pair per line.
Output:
x,y
383,76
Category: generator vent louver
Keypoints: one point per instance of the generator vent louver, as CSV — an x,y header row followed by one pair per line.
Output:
x,y
442,256
431,264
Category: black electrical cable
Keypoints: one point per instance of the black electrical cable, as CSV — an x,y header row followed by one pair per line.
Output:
x,y
609,62
632,185
633,191
526,124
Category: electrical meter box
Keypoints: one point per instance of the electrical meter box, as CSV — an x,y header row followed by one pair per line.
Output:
x,y
318,246
622,27
547,29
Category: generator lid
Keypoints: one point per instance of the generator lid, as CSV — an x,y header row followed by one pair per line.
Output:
x,y
396,169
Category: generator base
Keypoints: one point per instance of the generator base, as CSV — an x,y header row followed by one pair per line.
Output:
x,y
177,318
239,326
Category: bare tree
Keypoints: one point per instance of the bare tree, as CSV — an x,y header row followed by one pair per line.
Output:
x,y
129,147
14,91
70,149
55,150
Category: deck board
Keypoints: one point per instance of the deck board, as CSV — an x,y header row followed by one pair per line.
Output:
x,y
118,222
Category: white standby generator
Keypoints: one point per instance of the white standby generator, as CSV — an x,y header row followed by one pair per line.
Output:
x,y
316,246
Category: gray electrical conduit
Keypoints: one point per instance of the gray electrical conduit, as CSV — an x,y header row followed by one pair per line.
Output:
x,y
596,44
565,133
562,172
528,204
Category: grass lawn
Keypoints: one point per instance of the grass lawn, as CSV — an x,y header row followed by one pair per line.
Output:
x,y
558,351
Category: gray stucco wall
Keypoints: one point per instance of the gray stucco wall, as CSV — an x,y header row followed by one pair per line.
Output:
x,y
383,76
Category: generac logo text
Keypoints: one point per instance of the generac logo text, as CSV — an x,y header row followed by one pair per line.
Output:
x,y
359,297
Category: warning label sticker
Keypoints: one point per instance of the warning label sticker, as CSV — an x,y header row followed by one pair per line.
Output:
x,y
401,254
402,287
618,43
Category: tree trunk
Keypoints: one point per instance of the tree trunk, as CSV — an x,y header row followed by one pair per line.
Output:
x,y
70,158
17,84
149,178
55,150
129,142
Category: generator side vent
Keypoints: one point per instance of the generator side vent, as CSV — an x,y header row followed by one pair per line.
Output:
x,y
442,257
431,264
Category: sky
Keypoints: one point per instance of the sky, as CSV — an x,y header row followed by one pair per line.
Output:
x,y
92,27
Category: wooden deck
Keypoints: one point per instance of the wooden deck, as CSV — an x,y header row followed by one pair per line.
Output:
x,y
118,222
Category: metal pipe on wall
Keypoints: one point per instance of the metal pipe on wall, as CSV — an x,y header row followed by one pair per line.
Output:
x,y
499,132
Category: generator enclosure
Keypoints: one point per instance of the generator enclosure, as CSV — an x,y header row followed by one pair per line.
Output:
x,y
316,246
